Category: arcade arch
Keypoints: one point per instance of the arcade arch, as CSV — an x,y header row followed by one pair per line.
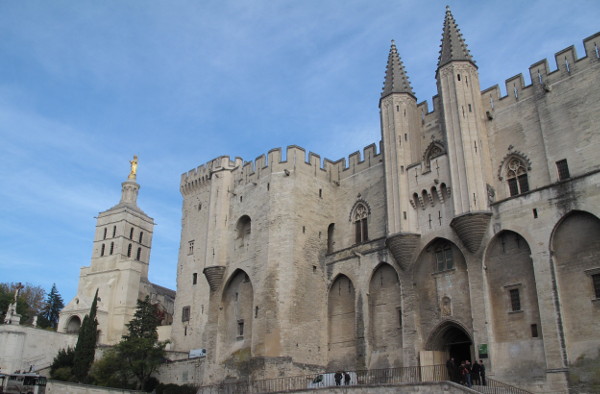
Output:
x,y
341,317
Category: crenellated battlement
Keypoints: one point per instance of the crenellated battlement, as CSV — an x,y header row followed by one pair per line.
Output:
x,y
542,77
295,160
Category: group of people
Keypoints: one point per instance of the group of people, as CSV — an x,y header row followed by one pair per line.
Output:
x,y
338,378
466,373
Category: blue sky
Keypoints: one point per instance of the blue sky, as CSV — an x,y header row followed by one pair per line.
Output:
x,y
85,85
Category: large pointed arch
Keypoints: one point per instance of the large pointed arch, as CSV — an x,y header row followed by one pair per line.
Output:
x,y
236,314
341,318
575,247
385,317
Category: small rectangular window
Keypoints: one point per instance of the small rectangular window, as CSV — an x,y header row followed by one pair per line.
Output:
x,y
185,314
191,247
194,278
515,300
563,169
240,328
596,283
534,331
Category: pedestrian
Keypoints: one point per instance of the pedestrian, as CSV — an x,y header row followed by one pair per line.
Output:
x,y
475,373
347,378
482,372
451,367
468,373
338,378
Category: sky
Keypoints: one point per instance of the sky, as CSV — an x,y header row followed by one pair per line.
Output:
x,y
85,85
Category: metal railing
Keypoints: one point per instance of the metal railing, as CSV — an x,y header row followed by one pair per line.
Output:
x,y
433,373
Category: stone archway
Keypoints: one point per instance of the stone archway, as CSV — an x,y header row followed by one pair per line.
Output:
x,y
73,325
451,339
341,324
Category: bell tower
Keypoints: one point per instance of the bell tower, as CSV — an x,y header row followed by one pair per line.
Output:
x,y
119,265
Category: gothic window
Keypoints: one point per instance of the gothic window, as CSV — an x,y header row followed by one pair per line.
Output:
x,y
185,314
129,250
102,250
360,223
515,300
443,257
139,254
563,170
516,175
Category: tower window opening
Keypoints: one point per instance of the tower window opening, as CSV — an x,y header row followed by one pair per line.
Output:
x,y
114,231
466,80
185,314
139,254
458,76
104,236
534,331
112,247
129,250
141,237
405,137
320,193
563,169
190,247
240,328
470,108
102,250
397,108
131,233
535,213
194,278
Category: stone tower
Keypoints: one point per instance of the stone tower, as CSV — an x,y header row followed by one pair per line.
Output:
x,y
118,269
466,135
400,131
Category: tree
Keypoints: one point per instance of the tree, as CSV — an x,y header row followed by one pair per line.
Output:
x,y
29,302
62,365
85,349
141,350
51,309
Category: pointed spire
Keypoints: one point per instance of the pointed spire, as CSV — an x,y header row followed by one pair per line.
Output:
x,y
396,80
453,45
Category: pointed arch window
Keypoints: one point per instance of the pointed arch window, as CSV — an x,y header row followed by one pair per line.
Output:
x,y
129,250
139,254
516,176
102,249
359,218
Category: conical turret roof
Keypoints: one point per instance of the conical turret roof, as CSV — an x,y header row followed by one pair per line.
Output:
x,y
396,80
453,45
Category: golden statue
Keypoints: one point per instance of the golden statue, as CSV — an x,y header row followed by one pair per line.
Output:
x,y
134,164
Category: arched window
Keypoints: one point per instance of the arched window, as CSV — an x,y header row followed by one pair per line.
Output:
x,y
114,231
139,254
141,236
112,247
131,233
102,250
330,243
129,250
443,257
516,175
244,229
360,223
104,237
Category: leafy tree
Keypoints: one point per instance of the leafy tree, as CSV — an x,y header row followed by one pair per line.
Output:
x,y
141,350
29,303
110,371
51,309
61,368
85,348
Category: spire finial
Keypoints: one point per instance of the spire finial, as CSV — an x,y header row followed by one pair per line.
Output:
x,y
453,45
396,80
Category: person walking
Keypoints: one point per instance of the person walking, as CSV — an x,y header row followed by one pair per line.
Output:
x,y
475,379
482,373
